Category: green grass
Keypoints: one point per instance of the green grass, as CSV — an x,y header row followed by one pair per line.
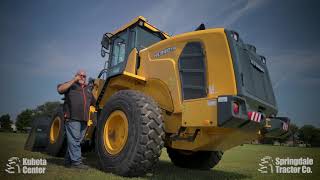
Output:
x,y
238,163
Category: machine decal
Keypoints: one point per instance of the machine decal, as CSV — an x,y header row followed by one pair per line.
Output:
x,y
163,52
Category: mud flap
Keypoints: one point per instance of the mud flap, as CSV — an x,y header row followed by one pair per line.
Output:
x,y
38,137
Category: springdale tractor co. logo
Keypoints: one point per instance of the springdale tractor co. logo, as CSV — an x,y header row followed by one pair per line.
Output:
x,y
26,166
285,165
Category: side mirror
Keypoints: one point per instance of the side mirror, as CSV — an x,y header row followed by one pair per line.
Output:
x,y
105,42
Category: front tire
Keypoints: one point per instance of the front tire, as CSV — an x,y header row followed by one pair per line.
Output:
x,y
129,134
202,160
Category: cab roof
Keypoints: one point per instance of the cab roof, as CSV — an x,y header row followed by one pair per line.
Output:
x,y
144,23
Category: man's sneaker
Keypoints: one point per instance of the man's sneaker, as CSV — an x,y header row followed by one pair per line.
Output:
x,y
79,166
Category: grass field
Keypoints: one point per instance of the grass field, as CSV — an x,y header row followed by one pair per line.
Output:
x,y
238,163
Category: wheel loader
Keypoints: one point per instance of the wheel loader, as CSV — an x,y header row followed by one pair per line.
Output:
x,y
197,94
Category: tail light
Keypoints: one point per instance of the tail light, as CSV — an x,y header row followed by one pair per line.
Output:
x,y
235,108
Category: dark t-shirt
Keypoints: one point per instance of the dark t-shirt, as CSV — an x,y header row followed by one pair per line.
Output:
x,y
77,102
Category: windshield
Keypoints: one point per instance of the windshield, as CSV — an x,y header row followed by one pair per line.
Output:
x,y
123,43
145,38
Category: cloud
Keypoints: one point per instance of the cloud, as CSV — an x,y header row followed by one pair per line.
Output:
x,y
242,10
54,60
162,12
177,16
294,66
295,80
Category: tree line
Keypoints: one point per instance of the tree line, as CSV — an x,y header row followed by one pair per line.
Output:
x,y
307,134
24,118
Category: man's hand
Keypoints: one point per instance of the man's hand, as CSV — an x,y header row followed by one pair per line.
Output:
x,y
65,86
76,78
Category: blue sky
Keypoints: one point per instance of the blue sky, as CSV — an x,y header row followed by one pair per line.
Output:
x,y
43,43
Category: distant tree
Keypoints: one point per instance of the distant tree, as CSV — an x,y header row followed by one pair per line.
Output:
x,y
308,134
24,119
293,130
315,141
284,138
47,109
5,122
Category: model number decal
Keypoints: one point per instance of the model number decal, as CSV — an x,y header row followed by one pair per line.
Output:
x,y
163,52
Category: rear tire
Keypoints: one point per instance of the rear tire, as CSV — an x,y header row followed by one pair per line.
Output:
x,y
57,144
202,160
140,151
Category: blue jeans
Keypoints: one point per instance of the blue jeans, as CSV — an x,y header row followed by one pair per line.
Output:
x,y
75,131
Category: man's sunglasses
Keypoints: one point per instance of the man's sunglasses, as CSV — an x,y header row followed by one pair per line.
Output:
x,y
84,76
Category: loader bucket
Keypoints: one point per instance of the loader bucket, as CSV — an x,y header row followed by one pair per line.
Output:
x,y
38,137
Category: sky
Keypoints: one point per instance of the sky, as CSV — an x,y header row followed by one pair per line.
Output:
x,y
43,43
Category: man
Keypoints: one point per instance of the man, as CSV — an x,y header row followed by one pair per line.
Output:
x,y
78,99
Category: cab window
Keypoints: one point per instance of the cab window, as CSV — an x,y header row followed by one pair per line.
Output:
x,y
118,53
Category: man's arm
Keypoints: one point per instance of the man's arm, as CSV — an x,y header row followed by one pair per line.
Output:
x,y
62,88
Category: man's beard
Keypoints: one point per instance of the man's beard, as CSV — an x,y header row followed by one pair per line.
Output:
x,y
82,82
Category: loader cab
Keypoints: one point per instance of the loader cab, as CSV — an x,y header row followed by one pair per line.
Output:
x,y
118,47
137,34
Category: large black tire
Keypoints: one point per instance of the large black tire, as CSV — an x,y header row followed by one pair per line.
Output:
x,y
143,147
202,160
59,146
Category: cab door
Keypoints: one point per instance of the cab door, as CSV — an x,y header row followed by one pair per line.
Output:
x,y
118,54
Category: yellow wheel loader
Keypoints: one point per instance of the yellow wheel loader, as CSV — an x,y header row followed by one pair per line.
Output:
x,y
198,94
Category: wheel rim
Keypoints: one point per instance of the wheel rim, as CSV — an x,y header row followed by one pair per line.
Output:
x,y
115,133
55,130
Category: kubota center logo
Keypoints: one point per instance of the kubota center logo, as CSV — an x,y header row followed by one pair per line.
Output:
x,y
285,165
13,165
26,166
